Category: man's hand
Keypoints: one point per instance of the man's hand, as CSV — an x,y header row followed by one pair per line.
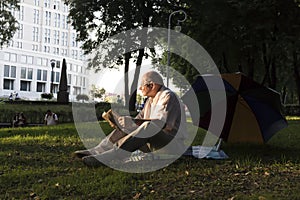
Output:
x,y
125,121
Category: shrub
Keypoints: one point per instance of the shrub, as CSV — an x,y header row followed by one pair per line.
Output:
x,y
82,97
47,96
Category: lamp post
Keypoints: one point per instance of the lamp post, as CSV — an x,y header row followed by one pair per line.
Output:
x,y
52,61
169,34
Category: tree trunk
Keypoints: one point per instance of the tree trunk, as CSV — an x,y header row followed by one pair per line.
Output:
x,y
225,63
133,91
296,74
284,94
250,63
126,78
134,86
266,60
273,77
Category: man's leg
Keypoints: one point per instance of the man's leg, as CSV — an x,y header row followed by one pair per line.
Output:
x,y
125,146
105,145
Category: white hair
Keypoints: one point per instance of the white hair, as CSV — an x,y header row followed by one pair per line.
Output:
x,y
152,77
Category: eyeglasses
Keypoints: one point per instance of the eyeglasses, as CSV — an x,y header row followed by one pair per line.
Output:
x,y
145,84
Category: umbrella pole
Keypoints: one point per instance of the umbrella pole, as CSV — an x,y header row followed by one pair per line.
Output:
x,y
218,146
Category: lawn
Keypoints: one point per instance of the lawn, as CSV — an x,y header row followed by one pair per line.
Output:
x,y
37,163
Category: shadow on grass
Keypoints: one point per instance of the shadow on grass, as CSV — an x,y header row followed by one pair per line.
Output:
x,y
266,153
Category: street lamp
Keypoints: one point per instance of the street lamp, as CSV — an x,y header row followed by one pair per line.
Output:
x,y
52,61
177,28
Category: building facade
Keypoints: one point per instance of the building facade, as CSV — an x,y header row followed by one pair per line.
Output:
x,y
35,54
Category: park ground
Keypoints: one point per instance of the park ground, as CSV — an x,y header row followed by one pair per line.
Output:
x,y
37,163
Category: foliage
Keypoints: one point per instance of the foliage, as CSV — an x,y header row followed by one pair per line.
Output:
x,y
108,18
82,97
37,163
258,38
35,111
8,23
97,92
47,96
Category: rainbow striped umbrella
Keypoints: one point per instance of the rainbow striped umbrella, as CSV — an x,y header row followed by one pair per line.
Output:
x,y
254,112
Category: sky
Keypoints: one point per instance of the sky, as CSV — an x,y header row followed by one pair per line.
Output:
x,y
112,80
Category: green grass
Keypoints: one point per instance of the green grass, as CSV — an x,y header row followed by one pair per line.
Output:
x,y
37,163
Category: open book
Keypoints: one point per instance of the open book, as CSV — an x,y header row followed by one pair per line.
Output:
x,y
112,118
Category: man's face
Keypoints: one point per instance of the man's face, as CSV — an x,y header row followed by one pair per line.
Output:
x,y
146,88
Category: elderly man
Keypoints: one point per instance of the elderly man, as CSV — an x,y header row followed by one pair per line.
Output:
x,y
163,126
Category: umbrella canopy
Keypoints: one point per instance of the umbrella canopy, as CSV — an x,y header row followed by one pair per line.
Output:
x,y
253,112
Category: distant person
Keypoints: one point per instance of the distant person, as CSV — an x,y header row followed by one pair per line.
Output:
x,y
15,121
119,99
22,120
17,97
10,97
50,118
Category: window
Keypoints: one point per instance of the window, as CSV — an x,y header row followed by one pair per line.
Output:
x,y
56,4
70,66
47,50
29,60
57,76
6,56
39,61
8,84
11,43
13,70
76,90
35,34
64,52
57,20
76,80
56,50
65,8
47,3
45,62
44,75
55,88
26,73
23,72
25,85
41,75
56,37
64,39
69,79
19,14
13,57
30,73
64,22
47,35
84,82
20,32
19,45
23,59
6,70
35,47
57,64
74,43
9,71
48,18
40,87
37,2
36,16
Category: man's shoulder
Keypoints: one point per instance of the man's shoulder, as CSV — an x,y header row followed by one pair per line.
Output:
x,y
168,92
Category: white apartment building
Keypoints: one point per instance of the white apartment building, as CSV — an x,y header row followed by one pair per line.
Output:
x,y
44,35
